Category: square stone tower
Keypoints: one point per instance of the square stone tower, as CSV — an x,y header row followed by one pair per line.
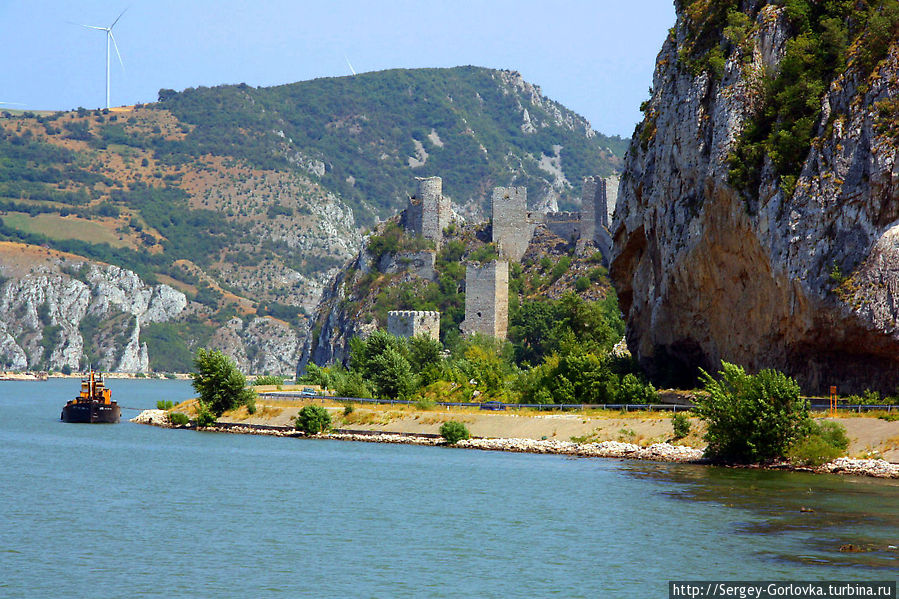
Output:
x,y
511,230
429,213
409,323
487,299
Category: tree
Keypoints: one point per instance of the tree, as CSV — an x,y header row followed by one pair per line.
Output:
x,y
454,431
221,385
391,375
750,418
313,420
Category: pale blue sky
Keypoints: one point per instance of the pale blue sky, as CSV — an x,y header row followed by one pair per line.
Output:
x,y
595,57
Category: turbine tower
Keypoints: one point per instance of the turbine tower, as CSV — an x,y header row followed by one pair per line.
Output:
x,y
109,36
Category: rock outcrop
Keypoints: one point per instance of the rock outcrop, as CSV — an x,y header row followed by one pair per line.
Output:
x,y
803,282
44,310
335,321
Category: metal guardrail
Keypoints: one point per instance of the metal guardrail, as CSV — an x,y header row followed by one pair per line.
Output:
x,y
815,407
507,406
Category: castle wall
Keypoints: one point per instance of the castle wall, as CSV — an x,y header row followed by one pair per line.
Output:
x,y
512,228
594,210
487,299
422,263
411,220
566,225
410,323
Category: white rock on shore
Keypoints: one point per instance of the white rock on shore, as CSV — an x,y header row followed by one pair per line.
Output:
x,y
152,417
876,468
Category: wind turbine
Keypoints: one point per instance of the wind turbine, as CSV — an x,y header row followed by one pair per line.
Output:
x,y
109,36
352,70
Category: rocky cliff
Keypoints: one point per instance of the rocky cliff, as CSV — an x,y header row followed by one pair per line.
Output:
x,y
795,265
60,311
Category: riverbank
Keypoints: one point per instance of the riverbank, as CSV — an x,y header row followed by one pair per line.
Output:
x,y
869,436
660,452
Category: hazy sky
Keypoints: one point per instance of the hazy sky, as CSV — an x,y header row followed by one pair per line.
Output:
x,y
596,57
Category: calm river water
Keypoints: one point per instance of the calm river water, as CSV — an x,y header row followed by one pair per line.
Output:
x,y
132,511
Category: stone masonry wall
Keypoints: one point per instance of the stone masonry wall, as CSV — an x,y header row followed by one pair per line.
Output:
x,y
436,212
487,299
594,208
409,323
512,229
566,225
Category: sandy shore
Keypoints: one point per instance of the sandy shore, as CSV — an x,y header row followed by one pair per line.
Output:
x,y
658,451
869,436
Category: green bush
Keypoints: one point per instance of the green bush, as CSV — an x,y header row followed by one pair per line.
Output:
x,y
178,419
268,380
454,431
205,417
348,409
750,418
681,425
822,443
164,404
313,420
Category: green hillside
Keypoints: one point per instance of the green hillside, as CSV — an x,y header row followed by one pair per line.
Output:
x,y
364,129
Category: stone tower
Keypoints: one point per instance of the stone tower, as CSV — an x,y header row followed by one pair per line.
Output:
x,y
429,213
409,323
487,299
512,230
594,209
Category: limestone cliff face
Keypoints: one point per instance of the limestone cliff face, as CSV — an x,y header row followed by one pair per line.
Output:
x,y
259,344
44,310
804,283
60,310
335,321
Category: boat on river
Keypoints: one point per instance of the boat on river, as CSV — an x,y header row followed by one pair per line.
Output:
x,y
93,404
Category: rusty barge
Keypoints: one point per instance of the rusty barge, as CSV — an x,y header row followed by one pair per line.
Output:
x,y
93,405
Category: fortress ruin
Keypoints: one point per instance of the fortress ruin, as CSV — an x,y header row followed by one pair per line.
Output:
x,y
487,286
411,323
487,299
429,213
514,225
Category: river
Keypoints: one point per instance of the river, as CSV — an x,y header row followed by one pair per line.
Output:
x,y
129,510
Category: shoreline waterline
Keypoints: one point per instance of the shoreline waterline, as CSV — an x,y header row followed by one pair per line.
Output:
x,y
657,452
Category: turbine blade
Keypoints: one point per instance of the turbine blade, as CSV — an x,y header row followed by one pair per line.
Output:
x,y
352,70
98,28
119,17
116,46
